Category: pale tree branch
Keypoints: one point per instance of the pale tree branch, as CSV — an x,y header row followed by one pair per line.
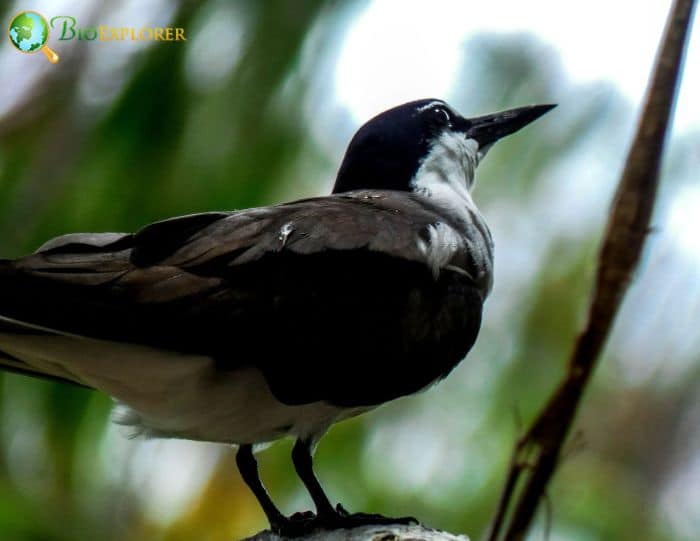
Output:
x,y
538,451
391,532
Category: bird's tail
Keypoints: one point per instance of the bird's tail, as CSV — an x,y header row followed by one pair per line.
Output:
x,y
15,336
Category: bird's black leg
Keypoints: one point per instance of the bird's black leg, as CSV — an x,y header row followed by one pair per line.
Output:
x,y
248,467
303,463
326,515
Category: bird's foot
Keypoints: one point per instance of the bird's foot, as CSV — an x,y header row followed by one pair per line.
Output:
x,y
301,524
297,525
343,519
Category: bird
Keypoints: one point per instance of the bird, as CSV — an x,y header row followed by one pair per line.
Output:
x,y
244,327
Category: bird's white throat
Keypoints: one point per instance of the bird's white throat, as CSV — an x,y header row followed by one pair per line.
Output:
x,y
446,175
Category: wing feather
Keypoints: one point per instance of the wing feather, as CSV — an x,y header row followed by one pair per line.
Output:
x,y
232,285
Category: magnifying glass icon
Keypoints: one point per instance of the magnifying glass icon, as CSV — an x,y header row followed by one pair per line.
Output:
x,y
29,33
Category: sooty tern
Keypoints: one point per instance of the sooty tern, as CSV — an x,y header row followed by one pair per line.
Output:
x,y
249,326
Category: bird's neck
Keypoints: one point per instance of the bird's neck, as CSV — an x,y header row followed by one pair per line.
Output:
x,y
445,178
446,175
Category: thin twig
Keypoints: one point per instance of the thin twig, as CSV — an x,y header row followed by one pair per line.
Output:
x,y
622,247
506,494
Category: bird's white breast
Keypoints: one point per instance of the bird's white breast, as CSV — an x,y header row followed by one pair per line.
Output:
x,y
445,177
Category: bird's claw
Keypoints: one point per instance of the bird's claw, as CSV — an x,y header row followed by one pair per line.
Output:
x,y
297,525
341,510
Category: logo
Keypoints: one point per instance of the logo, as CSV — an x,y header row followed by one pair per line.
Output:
x,y
69,29
29,33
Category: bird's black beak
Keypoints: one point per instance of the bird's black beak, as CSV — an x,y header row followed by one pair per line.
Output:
x,y
488,129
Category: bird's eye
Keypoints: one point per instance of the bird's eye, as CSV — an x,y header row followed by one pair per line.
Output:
x,y
440,116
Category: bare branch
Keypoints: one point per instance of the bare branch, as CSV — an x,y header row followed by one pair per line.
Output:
x,y
621,250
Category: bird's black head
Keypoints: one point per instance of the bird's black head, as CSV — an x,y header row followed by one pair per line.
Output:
x,y
387,152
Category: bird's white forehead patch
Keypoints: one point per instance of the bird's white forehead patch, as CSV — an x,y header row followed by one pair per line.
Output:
x,y
431,104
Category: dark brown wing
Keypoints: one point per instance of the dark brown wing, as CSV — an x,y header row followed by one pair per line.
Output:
x,y
119,286
316,289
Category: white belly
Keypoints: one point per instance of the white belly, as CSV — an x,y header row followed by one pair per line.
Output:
x,y
167,394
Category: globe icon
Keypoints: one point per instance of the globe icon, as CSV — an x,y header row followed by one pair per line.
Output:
x,y
29,33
